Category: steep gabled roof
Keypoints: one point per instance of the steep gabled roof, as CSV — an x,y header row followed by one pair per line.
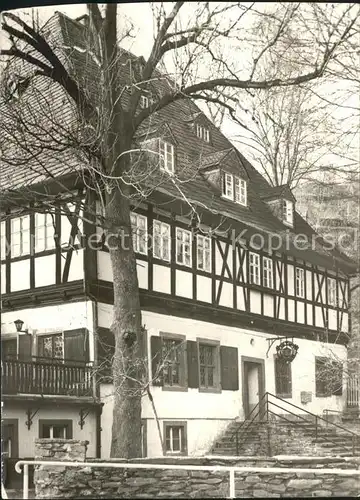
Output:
x,y
277,192
192,152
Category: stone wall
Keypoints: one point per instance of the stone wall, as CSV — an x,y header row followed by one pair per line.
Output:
x,y
96,482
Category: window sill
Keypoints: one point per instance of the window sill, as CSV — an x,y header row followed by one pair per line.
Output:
x,y
213,390
159,260
284,396
184,267
174,388
175,453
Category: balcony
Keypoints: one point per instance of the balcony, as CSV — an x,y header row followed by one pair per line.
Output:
x,y
46,377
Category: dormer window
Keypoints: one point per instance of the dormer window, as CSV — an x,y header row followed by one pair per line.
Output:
x,y
288,212
203,133
167,156
144,102
235,189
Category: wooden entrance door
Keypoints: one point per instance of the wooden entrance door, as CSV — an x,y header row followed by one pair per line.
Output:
x,y
10,451
253,376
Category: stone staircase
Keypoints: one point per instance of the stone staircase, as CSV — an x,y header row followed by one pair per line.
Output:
x,y
281,437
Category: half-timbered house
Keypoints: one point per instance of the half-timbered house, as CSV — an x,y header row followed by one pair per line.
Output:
x,y
220,286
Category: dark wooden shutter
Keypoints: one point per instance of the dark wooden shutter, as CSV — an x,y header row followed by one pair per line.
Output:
x,y
25,346
76,345
192,364
229,368
105,353
156,346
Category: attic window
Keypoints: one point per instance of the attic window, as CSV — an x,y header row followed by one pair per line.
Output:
x,y
144,102
203,133
167,156
235,189
288,212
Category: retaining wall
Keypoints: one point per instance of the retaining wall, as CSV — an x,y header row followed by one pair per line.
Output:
x,y
92,482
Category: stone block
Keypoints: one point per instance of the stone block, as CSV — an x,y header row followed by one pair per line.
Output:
x,y
95,483
350,484
140,481
263,494
321,493
252,479
303,484
277,488
114,484
174,473
199,473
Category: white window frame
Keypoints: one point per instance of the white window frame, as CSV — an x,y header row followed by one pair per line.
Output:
x,y
136,234
288,212
184,244
240,191
203,133
44,222
162,236
167,156
182,438
24,245
144,101
3,244
203,251
228,186
299,282
268,272
254,268
331,291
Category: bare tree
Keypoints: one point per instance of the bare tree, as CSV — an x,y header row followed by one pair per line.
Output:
x,y
189,59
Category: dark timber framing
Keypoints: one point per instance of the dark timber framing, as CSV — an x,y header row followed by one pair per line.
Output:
x,y
222,271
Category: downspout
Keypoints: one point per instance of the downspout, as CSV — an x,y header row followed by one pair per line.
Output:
x,y
98,430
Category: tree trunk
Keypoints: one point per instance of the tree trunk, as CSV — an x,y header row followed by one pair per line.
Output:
x,y
126,327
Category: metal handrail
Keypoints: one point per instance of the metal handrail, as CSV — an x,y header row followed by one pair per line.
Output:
x,y
249,423
327,439
211,468
242,429
313,414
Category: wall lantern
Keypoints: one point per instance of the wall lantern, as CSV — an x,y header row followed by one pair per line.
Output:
x,y
286,350
19,324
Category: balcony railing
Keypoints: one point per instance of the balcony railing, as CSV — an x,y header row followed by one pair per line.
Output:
x,y
47,377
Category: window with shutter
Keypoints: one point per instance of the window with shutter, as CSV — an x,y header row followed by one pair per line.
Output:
x,y
229,360
169,364
322,386
283,382
209,365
